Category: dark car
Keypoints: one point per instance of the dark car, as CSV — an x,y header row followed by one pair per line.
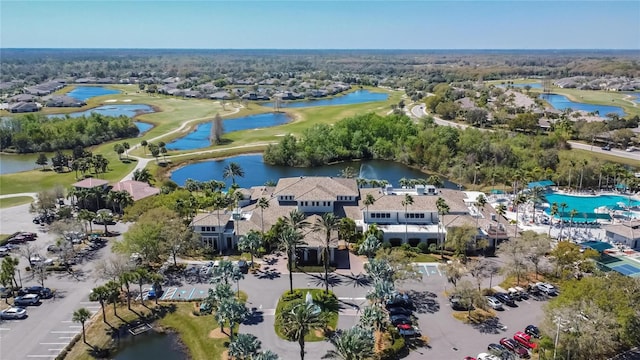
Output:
x,y
243,266
606,148
399,311
497,349
400,319
532,331
43,292
515,347
400,300
505,299
457,304
410,332
5,292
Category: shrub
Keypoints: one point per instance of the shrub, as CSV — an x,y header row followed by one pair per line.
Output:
x,y
62,355
396,348
297,294
424,248
386,245
433,248
328,302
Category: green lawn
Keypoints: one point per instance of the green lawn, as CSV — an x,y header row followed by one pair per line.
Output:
x,y
14,201
330,311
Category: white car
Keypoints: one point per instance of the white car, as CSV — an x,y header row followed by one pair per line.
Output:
x,y
485,356
547,288
494,303
11,313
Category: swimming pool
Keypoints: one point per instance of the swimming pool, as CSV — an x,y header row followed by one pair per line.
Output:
x,y
586,205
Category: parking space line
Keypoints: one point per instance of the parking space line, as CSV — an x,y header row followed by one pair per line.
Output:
x,y
66,321
64,332
75,326
55,349
191,294
4,329
58,343
66,337
169,293
426,271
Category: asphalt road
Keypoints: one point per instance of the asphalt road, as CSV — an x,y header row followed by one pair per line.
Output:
x,y
48,327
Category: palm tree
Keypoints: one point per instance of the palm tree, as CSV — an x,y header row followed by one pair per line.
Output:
x,y
296,220
233,170
481,201
408,200
143,175
443,209
368,201
327,223
224,272
81,316
124,199
519,200
126,279
355,343
144,144
231,310
381,292
113,294
244,347
562,214
584,163
101,294
376,319
140,276
536,196
105,217
87,216
572,214
552,213
572,165
266,355
263,203
251,243
299,321
289,239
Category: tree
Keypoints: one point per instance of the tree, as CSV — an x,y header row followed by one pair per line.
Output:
x,y
327,223
8,272
266,355
140,276
369,246
263,203
572,214
104,216
459,238
368,201
408,200
231,310
119,149
113,294
244,347
374,317
81,316
478,270
220,292
443,209
553,212
144,144
126,147
299,321
537,247
355,343
101,294
143,175
454,271
42,160
469,296
536,196
563,206
217,130
519,200
232,170
251,243
514,251
125,280
288,240
481,201
28,251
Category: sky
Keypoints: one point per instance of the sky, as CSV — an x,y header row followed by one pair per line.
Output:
x,y
301,24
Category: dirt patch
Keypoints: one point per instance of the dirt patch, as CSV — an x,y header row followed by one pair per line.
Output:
x,y
318,332
225,355
217,334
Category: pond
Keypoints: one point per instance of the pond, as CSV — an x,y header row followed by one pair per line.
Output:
x,y
87,92
143,126
200,137
534,85
130,110
10,164
151,347
561,102
258,173
355,97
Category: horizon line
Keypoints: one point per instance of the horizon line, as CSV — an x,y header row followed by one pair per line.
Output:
x,y
322,49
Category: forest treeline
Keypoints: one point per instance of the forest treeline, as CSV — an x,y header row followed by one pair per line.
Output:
x,y
469,156
38,133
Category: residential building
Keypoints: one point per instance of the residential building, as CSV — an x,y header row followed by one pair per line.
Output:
x,y
625,233
137,189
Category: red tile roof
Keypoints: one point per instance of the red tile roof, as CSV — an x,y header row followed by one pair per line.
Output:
x,y
138,190
90,183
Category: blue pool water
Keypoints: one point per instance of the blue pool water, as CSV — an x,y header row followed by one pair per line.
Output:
x,y
587,205
88,92
561,102
112,110
200,138
355,97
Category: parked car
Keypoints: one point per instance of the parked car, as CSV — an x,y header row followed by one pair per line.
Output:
x,y
404,326
399,311
410,332
524,340
43,292
400,319
26,300
532,331
606,148
485,356
401,300
4,251
5,292
515,347
515,294
547,288
457,304
505,299
469,358
154,292
494,303
496,349
523,293
14,312
243,266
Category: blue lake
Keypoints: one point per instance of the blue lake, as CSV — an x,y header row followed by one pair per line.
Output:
x,y
535,85
130,110
258,173
355,97
10,163
143,126
87,92
561,102
635,95
199,138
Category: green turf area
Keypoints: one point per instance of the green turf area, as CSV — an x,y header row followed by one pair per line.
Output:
x,y
14,201
329,310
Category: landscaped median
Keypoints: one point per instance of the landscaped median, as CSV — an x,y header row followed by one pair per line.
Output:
x,y
328,306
